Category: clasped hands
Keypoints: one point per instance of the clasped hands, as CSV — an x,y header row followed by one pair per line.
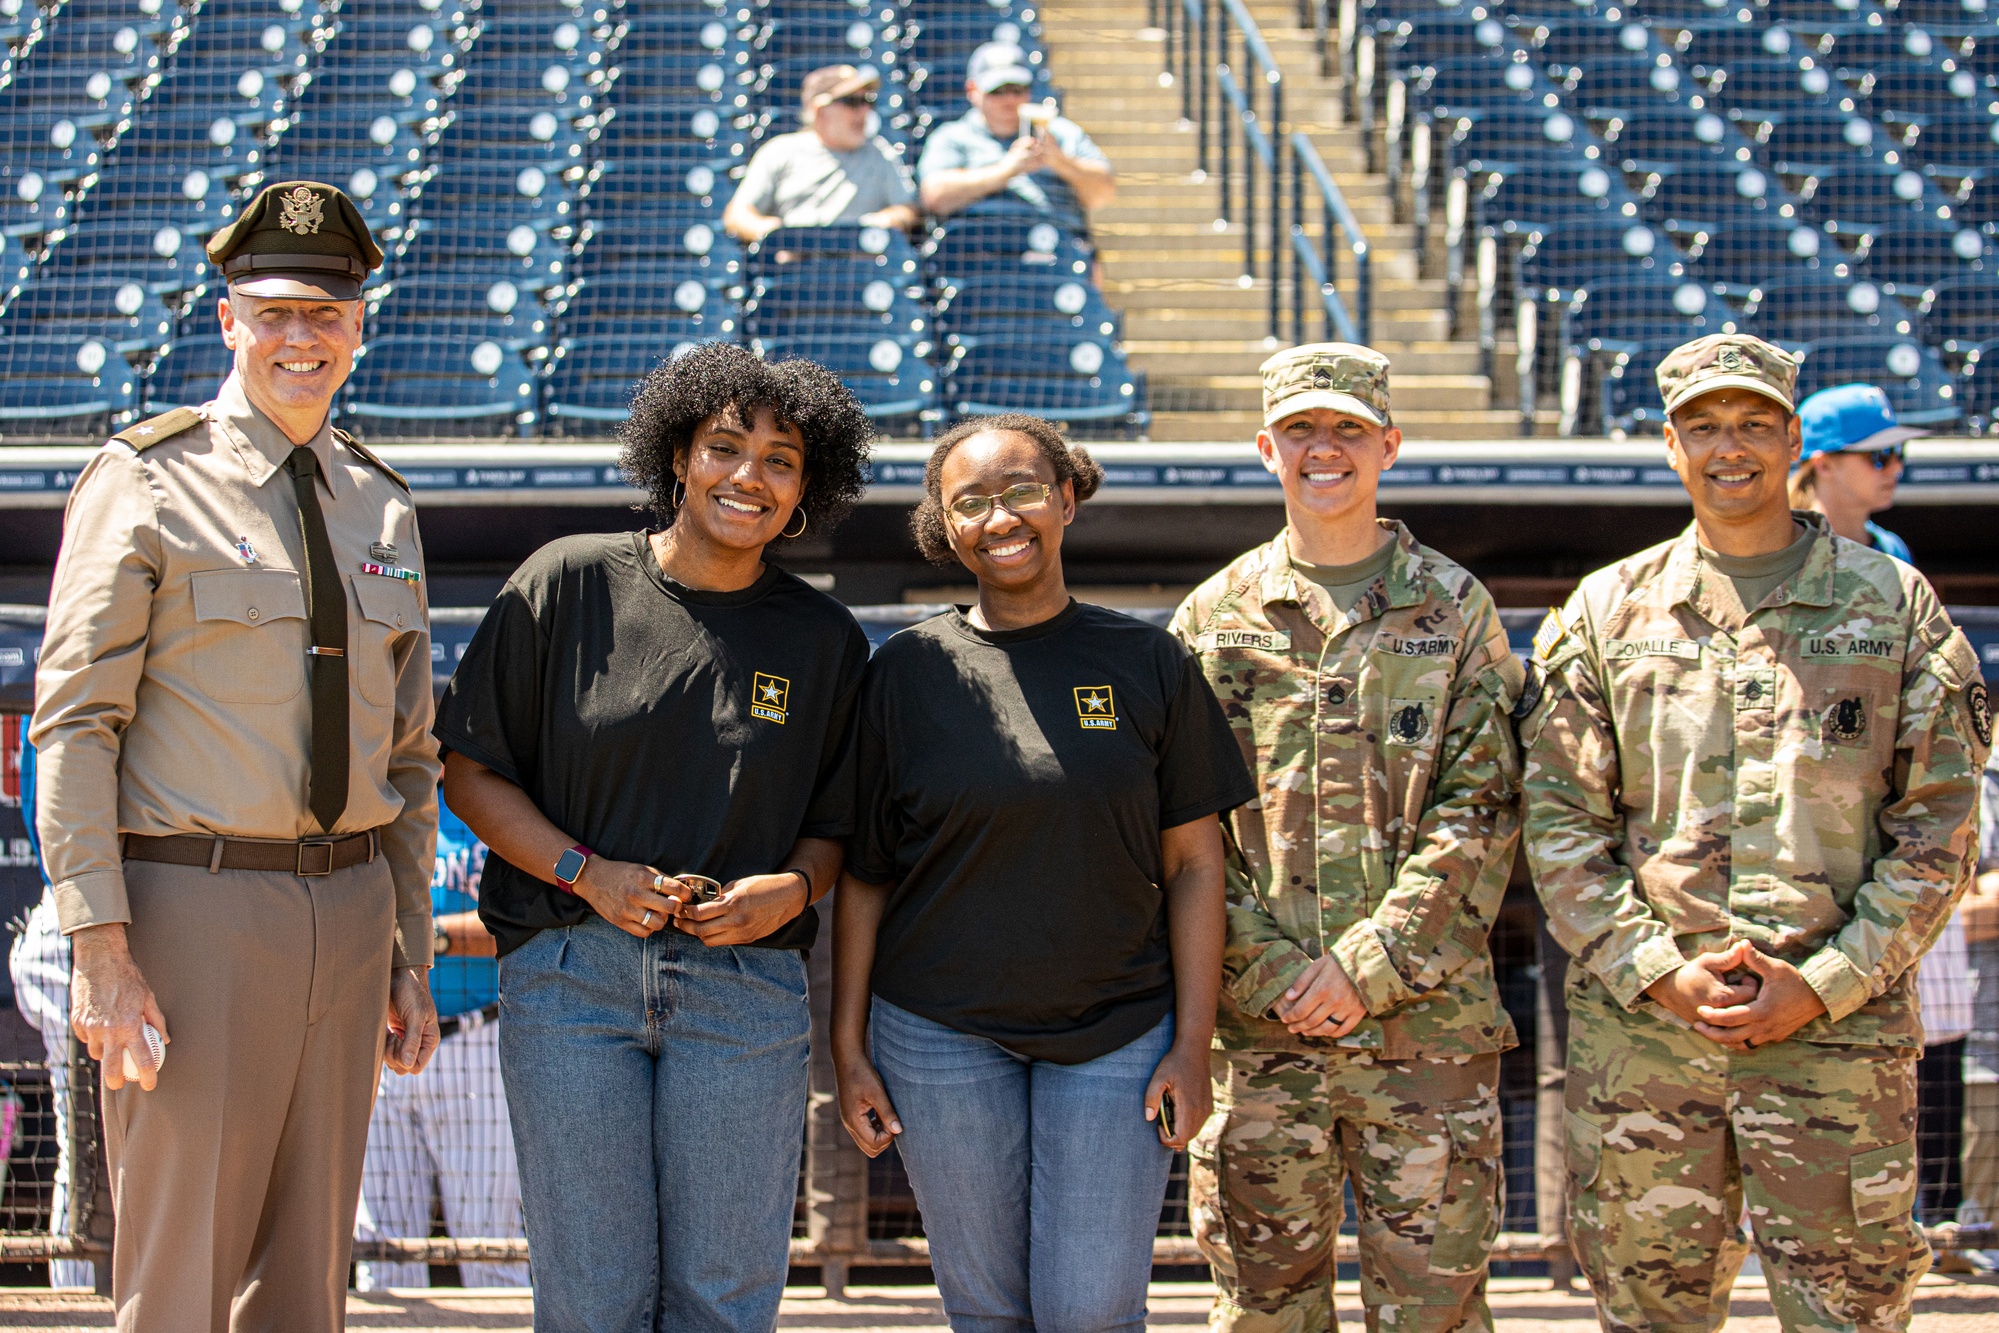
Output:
x,y
640,900
1322,1002
1740,998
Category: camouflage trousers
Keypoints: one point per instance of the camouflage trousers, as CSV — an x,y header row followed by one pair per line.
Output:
x,y
1420,1142
1668,1136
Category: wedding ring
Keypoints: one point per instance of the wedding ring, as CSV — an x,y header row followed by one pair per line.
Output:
x,y
659,883
646,920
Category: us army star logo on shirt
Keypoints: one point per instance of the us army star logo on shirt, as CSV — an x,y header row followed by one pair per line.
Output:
x,y
304,211
1096,707
770,697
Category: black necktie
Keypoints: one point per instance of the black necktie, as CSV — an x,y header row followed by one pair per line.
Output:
x,y
326,611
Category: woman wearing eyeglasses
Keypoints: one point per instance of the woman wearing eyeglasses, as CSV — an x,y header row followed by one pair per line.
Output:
x,y
652,732
1029,938
1850,462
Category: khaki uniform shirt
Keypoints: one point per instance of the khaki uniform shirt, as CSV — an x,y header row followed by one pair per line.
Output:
x,y
171,693
1802,775
1386,821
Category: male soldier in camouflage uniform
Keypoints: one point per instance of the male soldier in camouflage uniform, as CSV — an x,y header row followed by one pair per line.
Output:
x,y
1370,683
1751,763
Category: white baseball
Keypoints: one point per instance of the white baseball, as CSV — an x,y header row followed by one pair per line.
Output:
x,y
155,1048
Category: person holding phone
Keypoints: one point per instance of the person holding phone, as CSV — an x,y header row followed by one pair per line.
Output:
x,y
1029,935
637,706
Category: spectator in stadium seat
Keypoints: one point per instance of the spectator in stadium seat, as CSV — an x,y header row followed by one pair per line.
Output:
x,y
1028,948
651,731
994,151
238,819
444,1132
829,173
1850,462
1751,771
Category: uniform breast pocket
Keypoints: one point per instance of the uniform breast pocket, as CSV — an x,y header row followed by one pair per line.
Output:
x,y
250,635
387,609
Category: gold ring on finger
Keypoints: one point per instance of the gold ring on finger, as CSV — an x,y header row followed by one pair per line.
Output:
x,y
646,920
659,883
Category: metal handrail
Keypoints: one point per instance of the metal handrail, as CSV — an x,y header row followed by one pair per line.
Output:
x,y
1321,266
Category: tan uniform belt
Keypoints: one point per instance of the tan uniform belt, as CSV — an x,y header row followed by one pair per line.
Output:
x,y
307,856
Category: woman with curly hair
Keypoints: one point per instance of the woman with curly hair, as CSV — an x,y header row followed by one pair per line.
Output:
x,y
652,732
1028,938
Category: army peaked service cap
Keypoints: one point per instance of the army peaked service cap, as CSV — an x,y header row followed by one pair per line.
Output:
x,y
1344,377
1727,361
297,239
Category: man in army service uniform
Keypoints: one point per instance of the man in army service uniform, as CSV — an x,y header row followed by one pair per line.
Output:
x,y
238,795
1370,684
1751,757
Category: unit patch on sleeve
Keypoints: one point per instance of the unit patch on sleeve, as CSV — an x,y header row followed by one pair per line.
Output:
x,y
1096,708
1981,711
770,697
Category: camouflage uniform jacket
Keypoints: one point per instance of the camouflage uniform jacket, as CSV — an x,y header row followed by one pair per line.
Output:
x,y
1803,775
1386,820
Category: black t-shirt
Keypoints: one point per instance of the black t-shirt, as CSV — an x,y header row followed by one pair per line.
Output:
x,y
700,732
1014,785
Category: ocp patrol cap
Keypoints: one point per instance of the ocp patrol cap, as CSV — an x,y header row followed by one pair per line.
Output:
x,y
297,239
1727,361
1344,377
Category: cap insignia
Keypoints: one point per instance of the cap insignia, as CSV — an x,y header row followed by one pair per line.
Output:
x,y
1322,378
1729,360
304,211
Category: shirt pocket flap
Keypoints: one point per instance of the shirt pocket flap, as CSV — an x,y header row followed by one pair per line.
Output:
x,y
387,601
248,596
1884,1183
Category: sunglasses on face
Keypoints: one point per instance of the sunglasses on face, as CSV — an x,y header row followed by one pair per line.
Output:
x,y
1014,499
1881,458
857,101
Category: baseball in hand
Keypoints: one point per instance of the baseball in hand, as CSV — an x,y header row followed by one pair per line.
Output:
x,y
155,1048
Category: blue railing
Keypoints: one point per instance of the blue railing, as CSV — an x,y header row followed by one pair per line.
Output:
x,y
1232,97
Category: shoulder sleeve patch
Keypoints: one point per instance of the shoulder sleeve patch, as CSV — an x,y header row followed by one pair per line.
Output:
x,y
1980,704
154,429
363,452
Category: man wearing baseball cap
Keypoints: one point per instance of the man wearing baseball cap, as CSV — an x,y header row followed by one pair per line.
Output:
x,y
1010,153
1370,685
1751,759
831,172
238,795
1850,462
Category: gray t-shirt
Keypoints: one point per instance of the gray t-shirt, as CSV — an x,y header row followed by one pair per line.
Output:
x,y
1345,583
801,182
965,144
1757,576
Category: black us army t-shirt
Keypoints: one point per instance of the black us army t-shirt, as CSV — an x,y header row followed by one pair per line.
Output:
x,y
1014,785
692,731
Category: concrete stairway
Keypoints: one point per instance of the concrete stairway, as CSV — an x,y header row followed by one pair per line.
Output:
x,y
1192,322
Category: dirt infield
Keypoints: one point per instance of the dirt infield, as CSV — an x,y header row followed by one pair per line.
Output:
x,y
1520,1305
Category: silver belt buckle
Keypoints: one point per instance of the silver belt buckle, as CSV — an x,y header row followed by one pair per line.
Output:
x,y
315,858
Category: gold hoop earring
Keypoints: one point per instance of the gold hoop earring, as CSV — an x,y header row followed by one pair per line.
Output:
x,y
678,494
803,520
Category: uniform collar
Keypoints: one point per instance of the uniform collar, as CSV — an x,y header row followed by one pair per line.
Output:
x,y
1812,585
1401,585
265,448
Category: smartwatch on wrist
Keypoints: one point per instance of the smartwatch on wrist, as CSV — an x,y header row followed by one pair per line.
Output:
x,y
569,866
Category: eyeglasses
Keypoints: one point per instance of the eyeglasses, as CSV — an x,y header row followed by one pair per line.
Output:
x,y
1014,499
857,101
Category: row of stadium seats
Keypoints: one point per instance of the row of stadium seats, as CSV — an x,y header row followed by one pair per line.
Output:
x,y
547,177
1617,176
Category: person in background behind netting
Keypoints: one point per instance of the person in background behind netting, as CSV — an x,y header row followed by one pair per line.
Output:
x,y
1027,950
833,171
446,1129
1849,461
1008,155
652,731
39,965
1980,914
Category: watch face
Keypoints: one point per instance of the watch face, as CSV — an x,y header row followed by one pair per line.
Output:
x,y
569,865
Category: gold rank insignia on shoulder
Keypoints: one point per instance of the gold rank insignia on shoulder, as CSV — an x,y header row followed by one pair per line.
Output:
x,y
1096,707
770,697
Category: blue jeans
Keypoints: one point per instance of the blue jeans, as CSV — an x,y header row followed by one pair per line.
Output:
x,y
1040,1183
657,1090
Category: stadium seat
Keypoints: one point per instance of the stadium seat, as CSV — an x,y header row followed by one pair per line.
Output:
x,y
881,251
1918,387
1606,87
617,243
1021,308
1745,251
63,385
639,302
1708,45
1755,87
460,304
1914,255
1794,140
964,246
889,376
190,371
1081,382
1801,307
1628,388
1961,314
1674,133
163,257
1855,194
1978,394
431,385
1714,192
590,380
119,311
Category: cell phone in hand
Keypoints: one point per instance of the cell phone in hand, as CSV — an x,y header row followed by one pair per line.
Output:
x,y
1167,1132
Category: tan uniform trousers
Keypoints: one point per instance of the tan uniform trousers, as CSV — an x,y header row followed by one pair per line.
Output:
x,y
235,1180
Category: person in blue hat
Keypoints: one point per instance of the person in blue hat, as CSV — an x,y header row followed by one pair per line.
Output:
x,y
1850,463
